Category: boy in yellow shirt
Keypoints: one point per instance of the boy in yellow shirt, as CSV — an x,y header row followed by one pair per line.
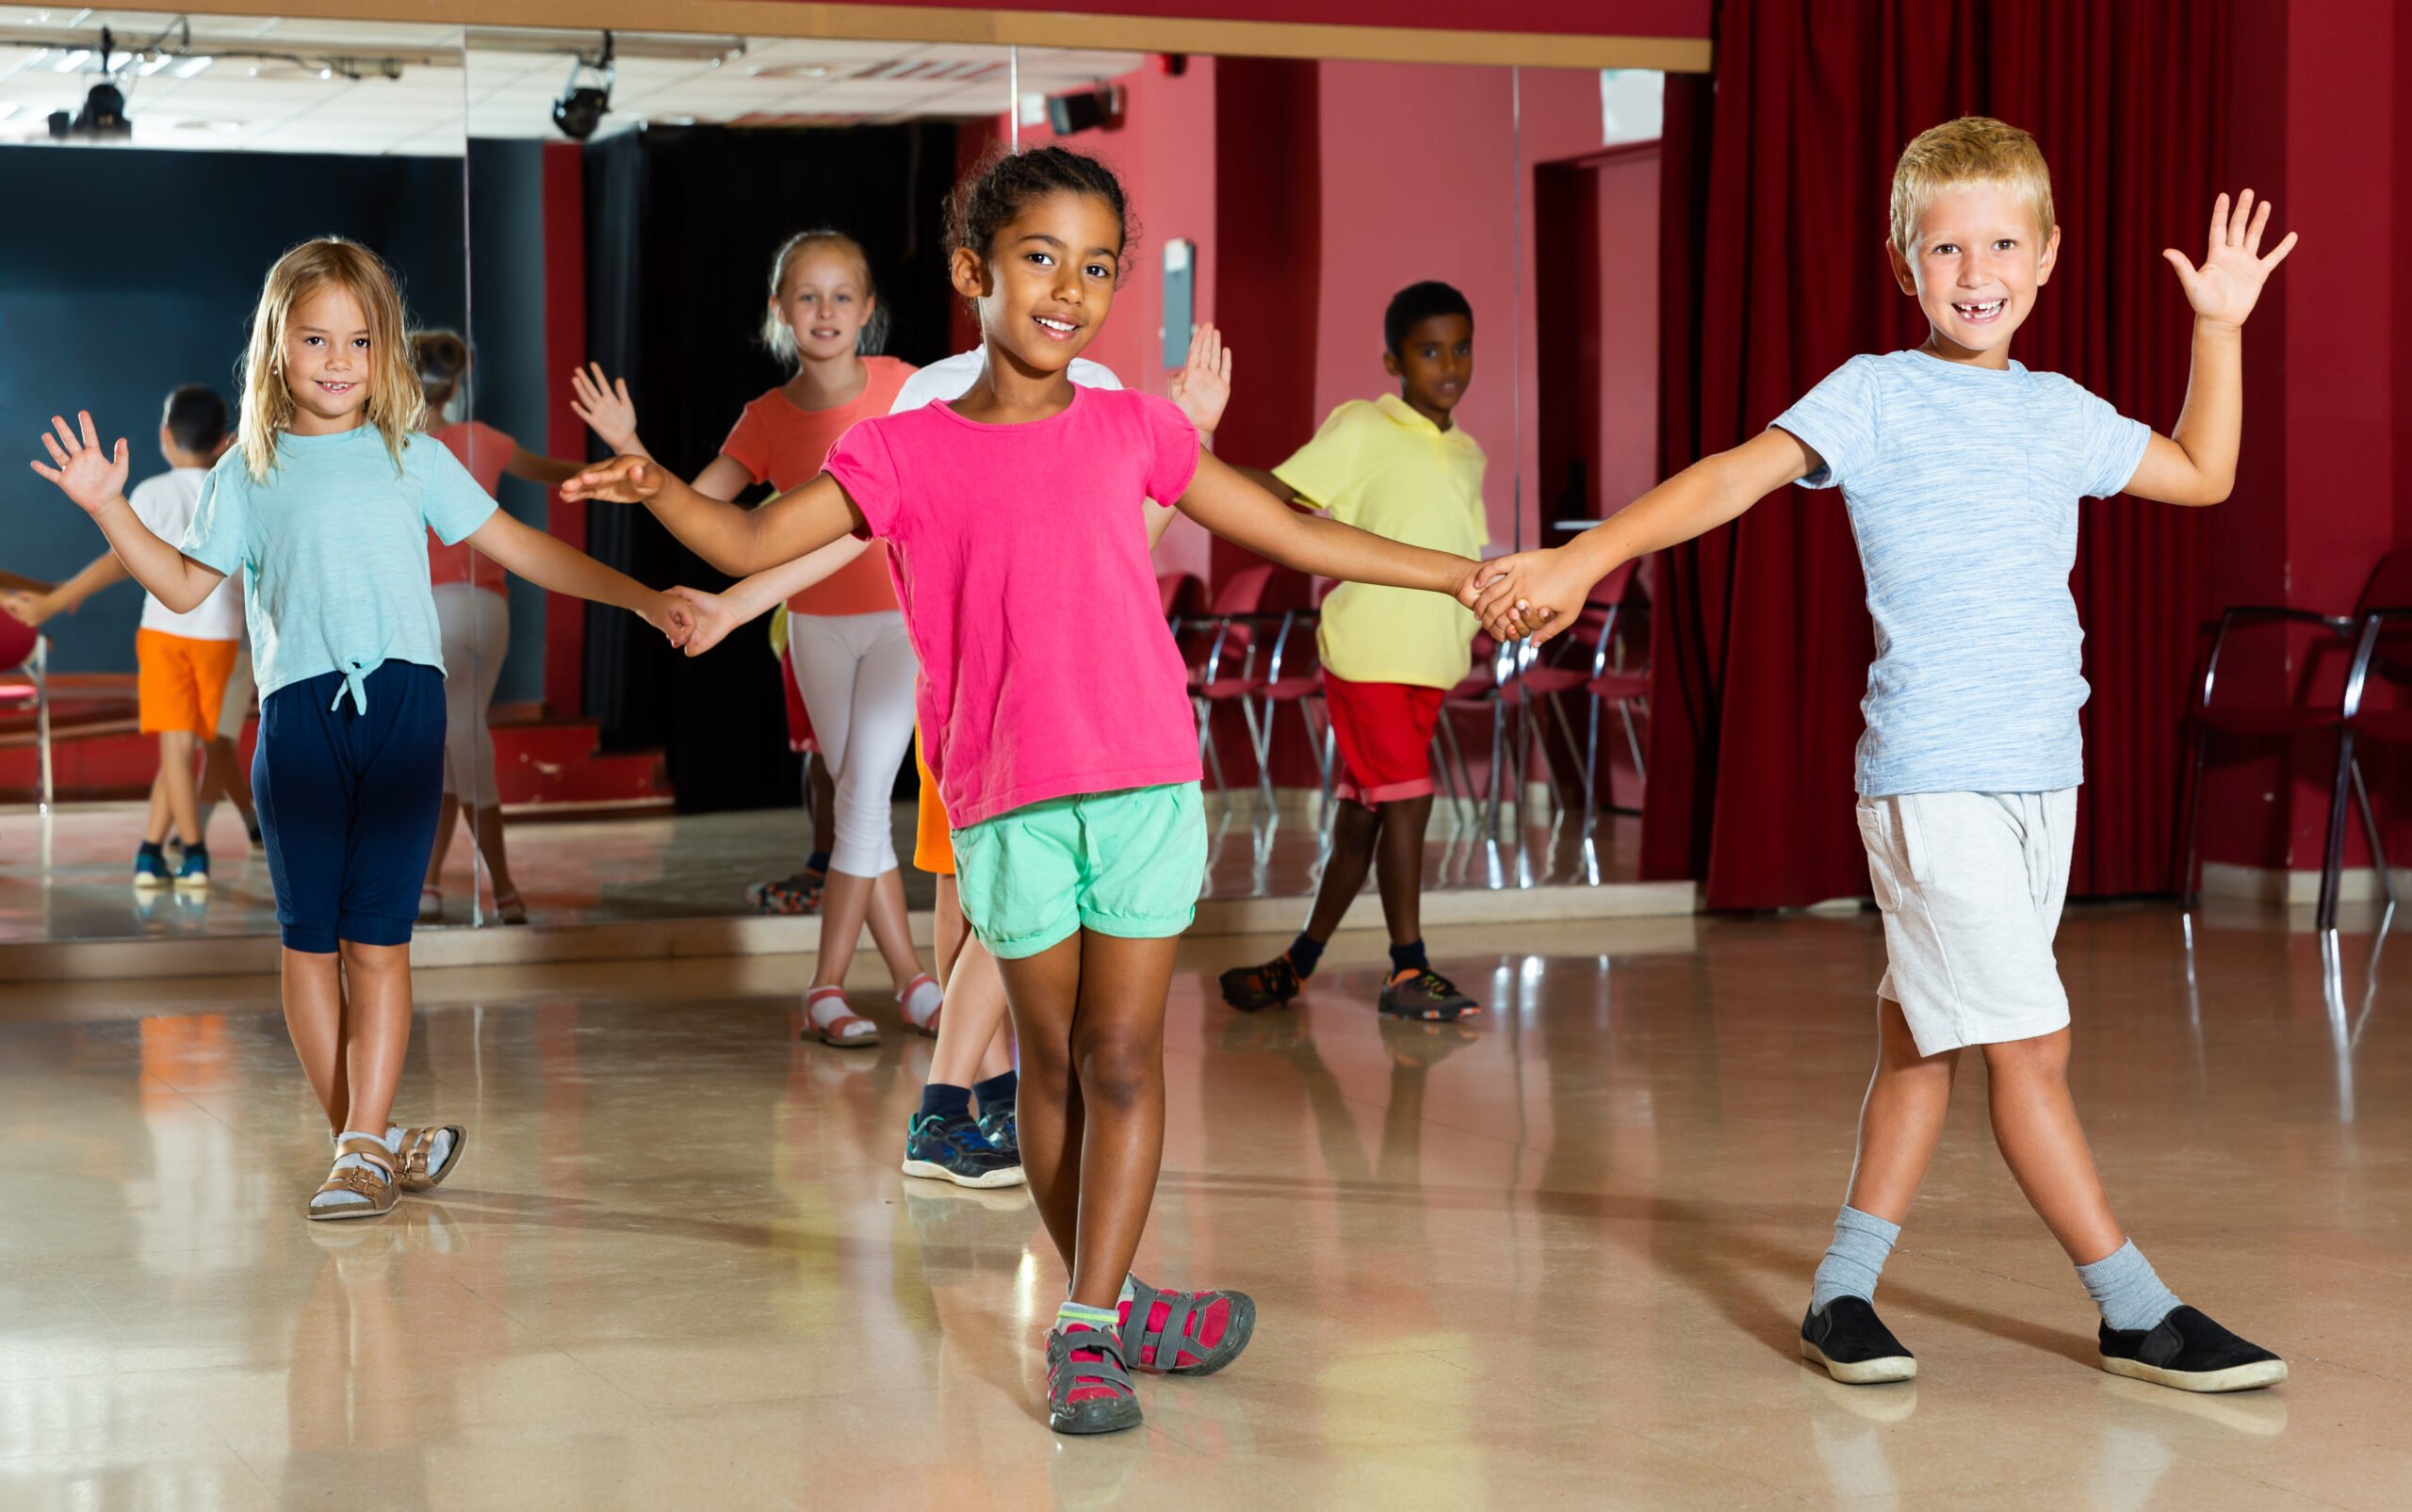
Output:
x,y
1400,467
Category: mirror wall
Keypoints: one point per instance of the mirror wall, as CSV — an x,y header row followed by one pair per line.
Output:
x,y
1285,201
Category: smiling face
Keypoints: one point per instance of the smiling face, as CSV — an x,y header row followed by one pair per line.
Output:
x,y
1047,279
1974,263
1434,364
327,360
825,300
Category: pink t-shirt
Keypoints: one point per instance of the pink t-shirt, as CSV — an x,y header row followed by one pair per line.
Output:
x,y
1019,554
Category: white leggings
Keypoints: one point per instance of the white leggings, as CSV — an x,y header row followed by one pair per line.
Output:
x,y
475,623
856,673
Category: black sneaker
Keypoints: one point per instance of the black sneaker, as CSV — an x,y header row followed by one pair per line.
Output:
x,y
997,1127
952,1149
1254,988
1426,995
1852,1343
2191,1353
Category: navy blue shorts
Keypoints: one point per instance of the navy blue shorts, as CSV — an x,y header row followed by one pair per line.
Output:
x,y
346,804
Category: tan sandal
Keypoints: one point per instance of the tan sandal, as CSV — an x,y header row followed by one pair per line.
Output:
x,y
417,1146
848,1030
376,1195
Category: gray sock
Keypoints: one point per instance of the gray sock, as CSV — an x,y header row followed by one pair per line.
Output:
x,y
1863,1242
2125,1285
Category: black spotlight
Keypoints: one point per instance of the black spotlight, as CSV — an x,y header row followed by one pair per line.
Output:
x,y
1069,113
102,116
582,105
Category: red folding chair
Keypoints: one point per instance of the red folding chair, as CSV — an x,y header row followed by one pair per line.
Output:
x,y
2390,585
1294,676
1220,647
2384,648
25,683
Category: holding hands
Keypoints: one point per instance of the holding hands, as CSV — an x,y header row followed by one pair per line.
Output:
x,y
2228,283
92,477
1536,593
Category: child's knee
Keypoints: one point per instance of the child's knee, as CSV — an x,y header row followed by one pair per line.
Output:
x,y
1121,1070
2046,1055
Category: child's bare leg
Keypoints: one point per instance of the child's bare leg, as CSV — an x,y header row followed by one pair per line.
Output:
x,y
447,808
1043,992
892,928
486,826
176,777
2035,1124
312,987
154,825
377,1030
969,1047
1355,829
1901,1123
221,776
1399,871
844,905
1118,1057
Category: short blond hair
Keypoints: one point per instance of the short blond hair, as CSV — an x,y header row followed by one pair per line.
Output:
x,y
395,404
1973,150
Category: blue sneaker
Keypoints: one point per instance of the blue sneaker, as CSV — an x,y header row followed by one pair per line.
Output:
x,y
996,1126
952,1149
150,868
194,876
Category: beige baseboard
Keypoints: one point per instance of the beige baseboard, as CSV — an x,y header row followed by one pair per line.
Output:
x,y
2296,888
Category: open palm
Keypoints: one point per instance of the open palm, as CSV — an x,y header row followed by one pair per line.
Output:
x,y
1203,385
604,404
86,474
2228,283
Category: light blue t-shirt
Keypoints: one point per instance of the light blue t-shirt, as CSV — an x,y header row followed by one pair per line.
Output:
x,y
334,551
1963,484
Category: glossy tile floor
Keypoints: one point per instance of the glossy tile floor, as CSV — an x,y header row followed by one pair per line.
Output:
x,y
1554,1260
658,866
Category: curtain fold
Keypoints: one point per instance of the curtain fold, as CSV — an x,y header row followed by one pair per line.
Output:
x,y
1775,193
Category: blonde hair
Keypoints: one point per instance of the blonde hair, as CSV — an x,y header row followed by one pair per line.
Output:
x,y
778,335
1973,150
441,360
395,404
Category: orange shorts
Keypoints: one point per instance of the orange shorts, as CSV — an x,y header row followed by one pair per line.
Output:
x,y
181,682
933,840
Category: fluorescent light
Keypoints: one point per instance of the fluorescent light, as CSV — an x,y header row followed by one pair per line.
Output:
x,y
8,109
155,63
72,61
186,67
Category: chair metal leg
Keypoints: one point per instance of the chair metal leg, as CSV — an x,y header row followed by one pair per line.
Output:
x,y
1591,770
1633,740
1498,761
1260,739
1463,782
2333,863
2191,827
1206,751
38,666
2370,832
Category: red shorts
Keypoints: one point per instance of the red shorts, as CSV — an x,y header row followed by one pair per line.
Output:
x,y
1384,732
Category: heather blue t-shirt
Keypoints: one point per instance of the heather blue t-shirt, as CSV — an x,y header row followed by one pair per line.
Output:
x,y
332,547
1963,484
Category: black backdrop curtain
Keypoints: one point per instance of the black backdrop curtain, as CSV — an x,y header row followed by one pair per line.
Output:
x,y
1776,183
681,223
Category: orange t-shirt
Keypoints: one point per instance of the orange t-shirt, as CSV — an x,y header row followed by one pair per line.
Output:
x,y
780,445
485,452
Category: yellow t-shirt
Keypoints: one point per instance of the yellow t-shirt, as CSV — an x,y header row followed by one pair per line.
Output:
x,y
1383,467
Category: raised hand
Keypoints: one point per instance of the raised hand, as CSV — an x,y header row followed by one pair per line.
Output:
x,y
88,475
1203,385
621,480
604,404
711,615
2228,283
24,607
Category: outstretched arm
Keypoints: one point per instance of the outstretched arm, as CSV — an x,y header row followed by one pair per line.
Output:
x,y
1240,512
554,564
717,614
1542,593
2196,465
95,479
739,541
103,571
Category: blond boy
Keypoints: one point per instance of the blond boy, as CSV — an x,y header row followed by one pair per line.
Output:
x,y
1962,470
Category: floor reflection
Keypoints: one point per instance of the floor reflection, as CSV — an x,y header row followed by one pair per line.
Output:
x,y
1552,1257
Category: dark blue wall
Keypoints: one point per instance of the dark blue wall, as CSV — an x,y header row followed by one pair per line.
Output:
x,y
145,279
507,319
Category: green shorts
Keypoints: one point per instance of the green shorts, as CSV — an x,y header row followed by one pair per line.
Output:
x,y
1129,864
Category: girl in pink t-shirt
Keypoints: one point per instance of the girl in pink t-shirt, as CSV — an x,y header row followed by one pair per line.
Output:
x,y
1055,714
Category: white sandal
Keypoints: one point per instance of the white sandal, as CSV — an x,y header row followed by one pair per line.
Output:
x,y
431,905
848,1030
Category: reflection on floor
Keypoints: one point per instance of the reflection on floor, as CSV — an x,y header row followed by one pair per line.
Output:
x,y
651,867
1553,1260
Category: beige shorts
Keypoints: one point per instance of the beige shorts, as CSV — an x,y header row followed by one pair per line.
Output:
x,y
235,707
1971,887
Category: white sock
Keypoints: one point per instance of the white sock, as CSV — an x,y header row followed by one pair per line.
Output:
x,y
920,1000
439,1150
824,1006
358,1162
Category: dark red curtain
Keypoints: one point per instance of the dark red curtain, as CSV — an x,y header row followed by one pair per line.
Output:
x,y
1777,178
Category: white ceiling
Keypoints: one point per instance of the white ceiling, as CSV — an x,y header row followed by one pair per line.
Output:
x,y
488,82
